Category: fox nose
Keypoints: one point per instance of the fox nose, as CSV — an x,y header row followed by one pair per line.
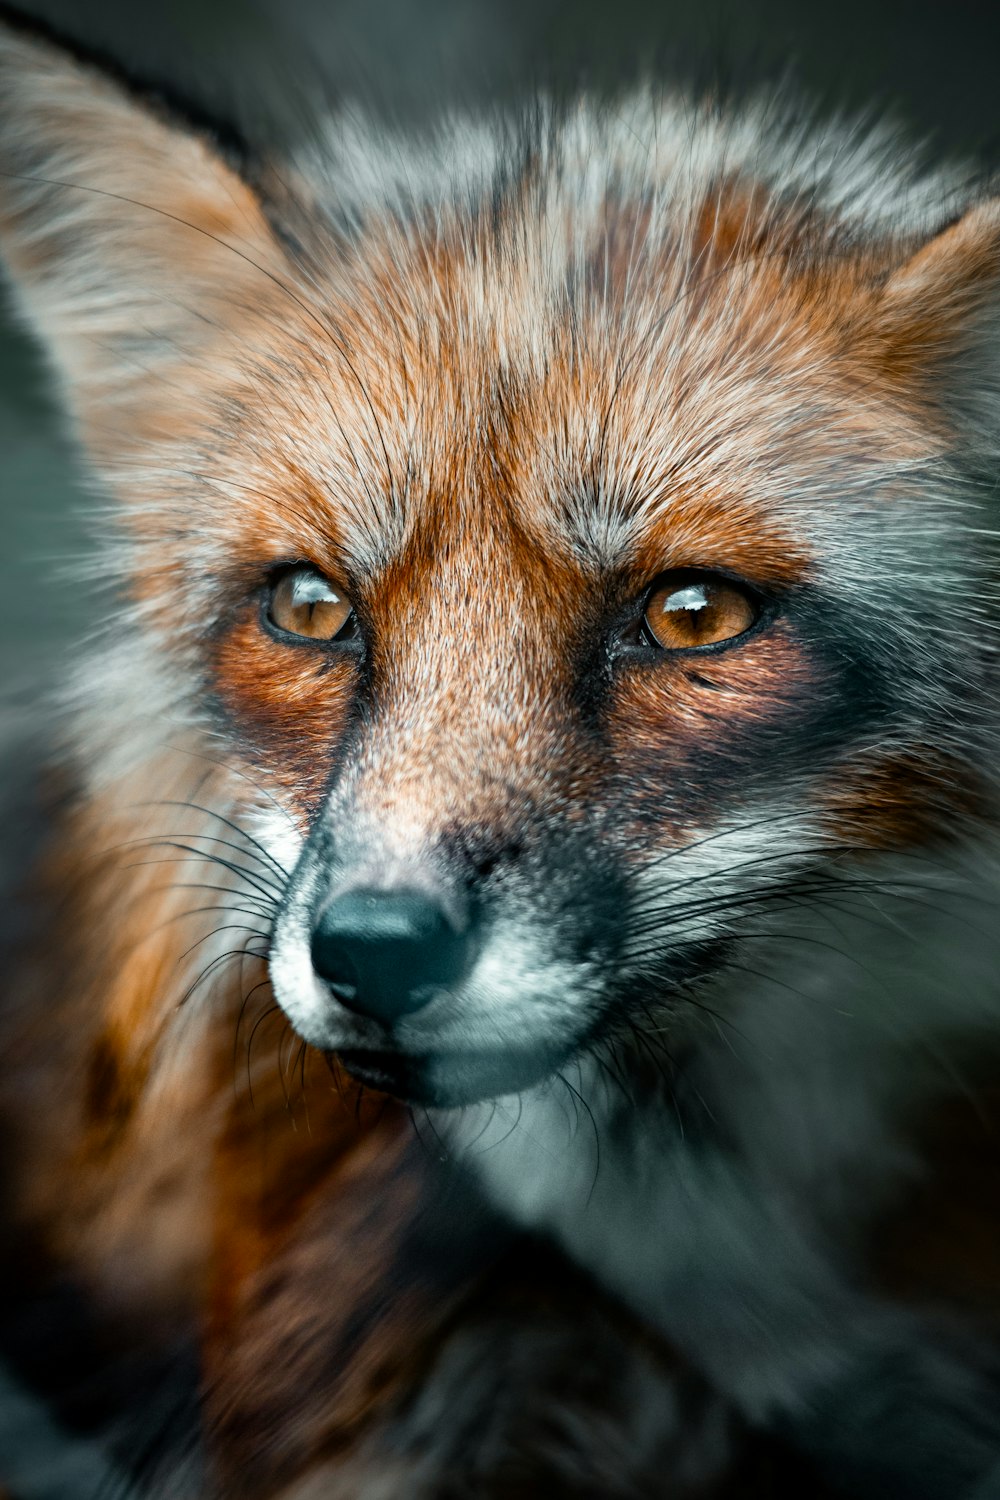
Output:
x,y
386,953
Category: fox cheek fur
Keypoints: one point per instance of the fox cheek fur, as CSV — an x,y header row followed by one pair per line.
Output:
x,y
542,552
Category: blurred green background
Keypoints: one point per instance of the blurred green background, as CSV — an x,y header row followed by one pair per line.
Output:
x,y
934,65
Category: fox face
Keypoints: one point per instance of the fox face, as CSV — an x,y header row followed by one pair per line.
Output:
x,y
574,545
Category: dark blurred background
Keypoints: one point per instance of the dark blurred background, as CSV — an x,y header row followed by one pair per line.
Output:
x,y
931,64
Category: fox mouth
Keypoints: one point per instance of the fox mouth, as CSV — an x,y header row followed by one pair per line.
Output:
x,y
388,1072
449,1079
448,1076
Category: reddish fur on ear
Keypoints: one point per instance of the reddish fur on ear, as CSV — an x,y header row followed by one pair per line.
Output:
x,y
925,310
951,269
134,247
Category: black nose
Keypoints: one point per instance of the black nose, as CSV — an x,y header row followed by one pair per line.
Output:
x,y
386,953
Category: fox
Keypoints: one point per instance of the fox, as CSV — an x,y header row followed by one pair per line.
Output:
x,y
500,968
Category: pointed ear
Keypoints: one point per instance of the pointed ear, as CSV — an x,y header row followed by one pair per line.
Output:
x,y
130,240
937,317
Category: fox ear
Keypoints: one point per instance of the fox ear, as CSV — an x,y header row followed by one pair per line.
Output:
x,y
128,237
938,316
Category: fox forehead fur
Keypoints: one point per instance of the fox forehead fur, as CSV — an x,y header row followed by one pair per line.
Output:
x,y
492,382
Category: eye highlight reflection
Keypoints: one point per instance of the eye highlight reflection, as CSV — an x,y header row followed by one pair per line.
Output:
x,y
304,604
686,611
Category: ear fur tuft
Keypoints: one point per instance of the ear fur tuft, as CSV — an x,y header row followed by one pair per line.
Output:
x,y
129,238
937,314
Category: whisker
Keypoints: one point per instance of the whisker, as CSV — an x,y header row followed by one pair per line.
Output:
x,y
493,1145
248,996
242,774
576,1094
654,919
263,906
483,1129
265,887
226,927
211,812
270,1011
171,841
336,1074
305,1052
288,1035
770,821
215,963
265,893
197,911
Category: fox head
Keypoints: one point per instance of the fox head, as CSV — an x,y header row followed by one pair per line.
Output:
x,y
573,532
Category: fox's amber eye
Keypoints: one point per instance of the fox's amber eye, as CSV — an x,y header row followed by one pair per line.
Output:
x,y
687,610
304,603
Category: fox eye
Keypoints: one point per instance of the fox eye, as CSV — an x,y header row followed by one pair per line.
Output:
x,y
688,610
304,603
